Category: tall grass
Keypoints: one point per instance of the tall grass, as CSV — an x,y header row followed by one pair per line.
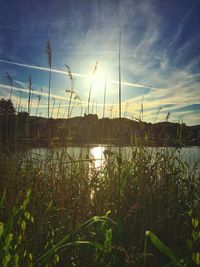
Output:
x,y
54,100
71,91
156,117
10,80
29,94
58,110
120,92
104,98
48,51
20,99
155,192
39,100
91,84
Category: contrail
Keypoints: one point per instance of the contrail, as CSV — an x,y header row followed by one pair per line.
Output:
x,y
79,75
136,85
40,68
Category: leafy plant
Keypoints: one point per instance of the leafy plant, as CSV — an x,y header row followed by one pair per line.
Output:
x,y
13,247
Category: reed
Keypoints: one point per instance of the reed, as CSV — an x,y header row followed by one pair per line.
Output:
x,y
54,100
29,94
48,51
58,111
104,98
156,192
39,100
91,84
156,117
120,91
73,96
10,80
71,92
20,99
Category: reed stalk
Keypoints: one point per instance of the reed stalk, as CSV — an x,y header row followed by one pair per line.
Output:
x,y
120,93
10,79
29,94
20,98
39,100
71,91
53,107
91,84
159,109
48,51
104,98
58,111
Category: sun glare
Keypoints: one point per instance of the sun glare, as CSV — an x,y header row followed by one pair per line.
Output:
x,y
97,153
98,80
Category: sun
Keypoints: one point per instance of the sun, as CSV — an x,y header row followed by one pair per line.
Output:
x,y
98,80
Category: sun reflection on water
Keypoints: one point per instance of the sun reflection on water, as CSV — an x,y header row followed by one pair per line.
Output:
x,y
97,154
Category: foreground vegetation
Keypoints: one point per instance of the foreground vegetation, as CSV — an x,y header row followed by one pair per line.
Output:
x,y
57,211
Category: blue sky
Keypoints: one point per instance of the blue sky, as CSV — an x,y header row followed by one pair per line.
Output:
x,y
160,54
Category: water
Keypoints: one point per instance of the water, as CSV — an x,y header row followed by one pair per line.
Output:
x,y
190,155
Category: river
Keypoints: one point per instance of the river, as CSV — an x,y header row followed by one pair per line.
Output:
x,y
191,155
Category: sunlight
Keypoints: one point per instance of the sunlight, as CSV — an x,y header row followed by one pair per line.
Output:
x,y
98,80
97,154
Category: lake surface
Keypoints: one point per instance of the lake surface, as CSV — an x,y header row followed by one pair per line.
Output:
x,y
191,155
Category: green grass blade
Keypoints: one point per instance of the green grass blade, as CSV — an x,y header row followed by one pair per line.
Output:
x,y
97,245
66,240
161,246
3,198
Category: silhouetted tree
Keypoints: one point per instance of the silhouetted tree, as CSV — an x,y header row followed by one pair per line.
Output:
x,y
7,122
6,108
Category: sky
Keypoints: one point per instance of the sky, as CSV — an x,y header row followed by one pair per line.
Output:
x,y
160,56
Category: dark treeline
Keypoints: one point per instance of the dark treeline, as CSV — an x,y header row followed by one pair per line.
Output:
x,y
20,127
